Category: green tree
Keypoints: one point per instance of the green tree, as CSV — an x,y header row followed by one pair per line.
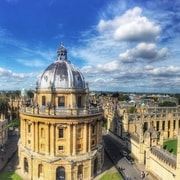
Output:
x,y
132,110
167,104
4,106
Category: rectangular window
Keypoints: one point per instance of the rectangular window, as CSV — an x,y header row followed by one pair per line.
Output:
x,y
157,125
60,148
43,100
61,133
61,101
163,125
174,124
79,146
29,128
79,101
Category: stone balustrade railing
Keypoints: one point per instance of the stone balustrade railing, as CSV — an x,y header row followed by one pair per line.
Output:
x,y
61,111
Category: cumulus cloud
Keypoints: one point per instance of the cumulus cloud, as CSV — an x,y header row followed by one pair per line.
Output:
x,y
143,51
131,26
109,67
11,80
165,71
4,72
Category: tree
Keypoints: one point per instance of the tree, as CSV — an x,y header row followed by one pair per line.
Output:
x,y
4,106
167,104
132,110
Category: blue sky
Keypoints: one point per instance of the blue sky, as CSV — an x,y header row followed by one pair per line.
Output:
x,y
119,45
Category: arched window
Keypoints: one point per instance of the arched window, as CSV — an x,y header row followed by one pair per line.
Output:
x,y
40,170
26,168
60,173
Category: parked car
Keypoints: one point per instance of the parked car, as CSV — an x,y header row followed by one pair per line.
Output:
x,y
130,159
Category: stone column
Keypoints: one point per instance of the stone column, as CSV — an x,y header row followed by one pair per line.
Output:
x,y
25,132
74,139
97,132
166,128
69,141
22,131
33,137
160,124
52,139
177,126
47,139
37,137
85,137
89,138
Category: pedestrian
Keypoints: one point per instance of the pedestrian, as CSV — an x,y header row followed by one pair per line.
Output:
x,y
142,174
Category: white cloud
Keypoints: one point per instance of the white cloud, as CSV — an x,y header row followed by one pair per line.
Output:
x,y
13,81
143,51
109,67
4,72
165,71
131,26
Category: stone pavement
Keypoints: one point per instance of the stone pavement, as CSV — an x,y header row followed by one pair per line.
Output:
x,y
8,151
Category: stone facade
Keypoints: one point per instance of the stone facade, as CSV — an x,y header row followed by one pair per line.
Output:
x,y
143,133
60,133
3,131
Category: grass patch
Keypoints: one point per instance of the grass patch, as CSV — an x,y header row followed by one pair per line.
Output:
x,y
112,176
171,146
6,175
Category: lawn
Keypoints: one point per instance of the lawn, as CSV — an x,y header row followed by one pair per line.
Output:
x,y
171,146
112,176
6,175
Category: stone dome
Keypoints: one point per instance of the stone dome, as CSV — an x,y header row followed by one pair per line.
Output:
x,y
61,74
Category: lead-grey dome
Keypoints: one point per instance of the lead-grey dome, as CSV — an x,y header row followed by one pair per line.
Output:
x,y
61,74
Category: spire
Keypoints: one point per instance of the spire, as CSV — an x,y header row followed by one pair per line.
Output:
x,y
62,52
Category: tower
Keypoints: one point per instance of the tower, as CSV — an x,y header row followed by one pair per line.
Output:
x,y
60,134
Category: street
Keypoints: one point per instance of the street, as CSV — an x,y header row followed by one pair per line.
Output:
x,y
113,148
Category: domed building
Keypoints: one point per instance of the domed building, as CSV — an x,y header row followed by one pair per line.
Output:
x,y
60,134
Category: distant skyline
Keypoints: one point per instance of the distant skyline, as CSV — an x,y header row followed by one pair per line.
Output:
x,y
119,45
